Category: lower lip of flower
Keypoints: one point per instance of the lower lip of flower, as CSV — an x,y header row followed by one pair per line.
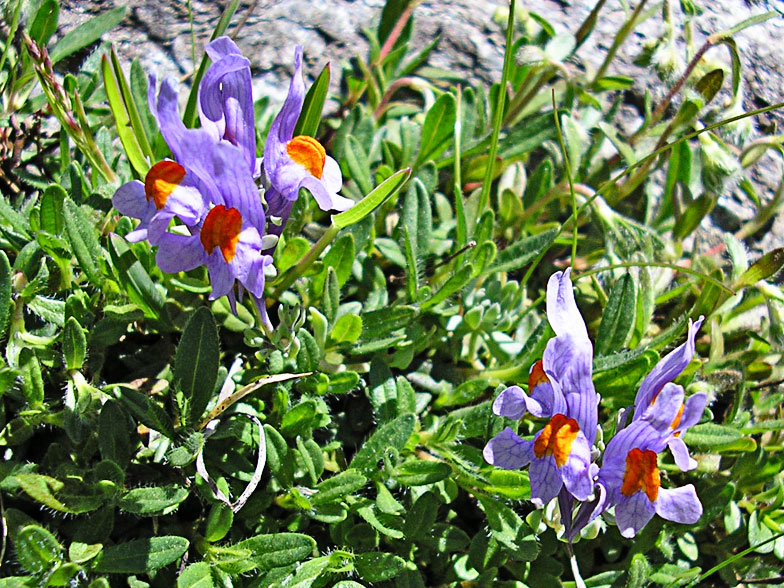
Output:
x,y
642,473
222,229
162,179
309,153
556,439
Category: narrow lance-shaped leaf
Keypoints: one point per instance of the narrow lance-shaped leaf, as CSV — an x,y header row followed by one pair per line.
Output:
x,y
196,362
125,131
438,128
310,117
87,33
141,556
74,345
373,200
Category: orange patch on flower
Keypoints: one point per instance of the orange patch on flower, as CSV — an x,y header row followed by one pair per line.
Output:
x,y
222,229
162,179
309,153
556,439
642,473
537,376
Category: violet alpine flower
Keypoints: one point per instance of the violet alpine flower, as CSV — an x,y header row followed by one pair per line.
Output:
x,y
630,474
228,240
168,190
668,368
291,163
226,99
560,388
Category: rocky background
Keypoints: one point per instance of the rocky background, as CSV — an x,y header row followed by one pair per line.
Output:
x,y
159,33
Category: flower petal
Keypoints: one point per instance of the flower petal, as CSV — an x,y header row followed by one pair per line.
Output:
x,y
546,481
507,450
513,403
633,512
225,98
680,453
282,128
324,199
669,368
237,186
562,311
576,472
331,176
221,278
679,505
179,253
665,408
130,200
692,411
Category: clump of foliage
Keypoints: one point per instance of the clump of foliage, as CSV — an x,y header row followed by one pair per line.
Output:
x,y
328,430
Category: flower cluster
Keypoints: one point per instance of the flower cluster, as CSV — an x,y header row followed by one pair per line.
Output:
x,y
562,459
205,207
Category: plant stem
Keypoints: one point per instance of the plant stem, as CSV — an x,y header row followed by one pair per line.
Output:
x,y
484,198
626,29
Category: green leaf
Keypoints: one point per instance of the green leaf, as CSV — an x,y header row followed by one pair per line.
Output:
x,y
394,434
379,323
83,552
196,575
338,486
134,278
421,473
74,345
45,22
639,572
5,292
51,209
153,500
219,522
37,550
373,200
86,33
147,411
762,269
522,252
378,566
83,240
454,284
421,517
297,420
527,136
508,528
197,360
358,165
438,128
347,329
278,549
312,107
141,556
122,122
618,318
693,215
711,436
710,84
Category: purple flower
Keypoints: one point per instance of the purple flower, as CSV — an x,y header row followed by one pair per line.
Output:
x,y
560,389
226,99
669,368
291,163
630,475
168,190
210,188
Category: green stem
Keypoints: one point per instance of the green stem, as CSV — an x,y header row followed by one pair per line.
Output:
x,y
462,231
626,29
672,266
484,198
568,170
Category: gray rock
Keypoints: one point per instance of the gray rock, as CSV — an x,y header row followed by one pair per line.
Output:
x,y
158,32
